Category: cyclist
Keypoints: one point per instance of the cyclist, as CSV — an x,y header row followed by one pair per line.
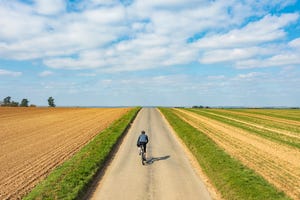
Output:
x,y
143,140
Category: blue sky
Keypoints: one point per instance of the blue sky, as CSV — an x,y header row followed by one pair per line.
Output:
x,y
151,52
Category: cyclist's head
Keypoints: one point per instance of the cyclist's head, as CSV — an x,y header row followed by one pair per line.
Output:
x,y
143,132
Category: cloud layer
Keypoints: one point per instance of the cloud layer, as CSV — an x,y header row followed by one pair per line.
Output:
x,y
9,73
116,35
151,52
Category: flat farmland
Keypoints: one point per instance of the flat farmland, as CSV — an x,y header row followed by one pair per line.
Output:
x,y
266,141
33,141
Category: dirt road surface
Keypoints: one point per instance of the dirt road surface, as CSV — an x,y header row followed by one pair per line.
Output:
x,y
167,174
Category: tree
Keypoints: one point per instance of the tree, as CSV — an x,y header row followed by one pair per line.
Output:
x,y
24,103
198,107
51,102
6,101
14,104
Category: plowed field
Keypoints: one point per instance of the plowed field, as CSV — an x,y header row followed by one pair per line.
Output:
x,y
268,144
33,141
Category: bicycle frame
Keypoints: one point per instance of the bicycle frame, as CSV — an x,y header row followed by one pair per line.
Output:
x,y
142,151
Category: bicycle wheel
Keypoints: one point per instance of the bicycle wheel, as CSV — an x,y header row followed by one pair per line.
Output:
x,y
143,155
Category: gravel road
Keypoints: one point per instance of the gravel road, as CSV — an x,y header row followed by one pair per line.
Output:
x,y
168,173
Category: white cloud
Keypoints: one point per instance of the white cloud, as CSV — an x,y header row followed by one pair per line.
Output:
x,y
217,77
268,29
238,55
87,74
17,22
295,44
105,15
281,59
4,72
47,7
85,61
144,34
46,73
224,55
249,76
25,35
256,37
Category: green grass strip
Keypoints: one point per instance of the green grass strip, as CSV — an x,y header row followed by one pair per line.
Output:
x,y
71,179
231,178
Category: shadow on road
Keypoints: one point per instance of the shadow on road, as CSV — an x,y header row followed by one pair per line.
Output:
x,y
154,159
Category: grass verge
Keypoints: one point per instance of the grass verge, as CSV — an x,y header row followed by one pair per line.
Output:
x,y
230,177
71,179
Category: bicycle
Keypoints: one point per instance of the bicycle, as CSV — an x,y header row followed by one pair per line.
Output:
x,y
142,153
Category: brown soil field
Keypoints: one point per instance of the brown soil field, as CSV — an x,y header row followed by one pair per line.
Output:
x,y
277,163
33,141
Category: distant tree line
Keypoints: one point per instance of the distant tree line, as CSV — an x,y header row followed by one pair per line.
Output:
x,y
8,102
200,107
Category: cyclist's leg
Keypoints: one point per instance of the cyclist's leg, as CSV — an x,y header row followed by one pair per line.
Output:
x,y
145,146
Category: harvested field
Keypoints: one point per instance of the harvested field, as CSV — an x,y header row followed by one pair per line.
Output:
x,y
271,151
34,141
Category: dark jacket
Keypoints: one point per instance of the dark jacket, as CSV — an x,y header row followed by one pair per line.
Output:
x,y
143,138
